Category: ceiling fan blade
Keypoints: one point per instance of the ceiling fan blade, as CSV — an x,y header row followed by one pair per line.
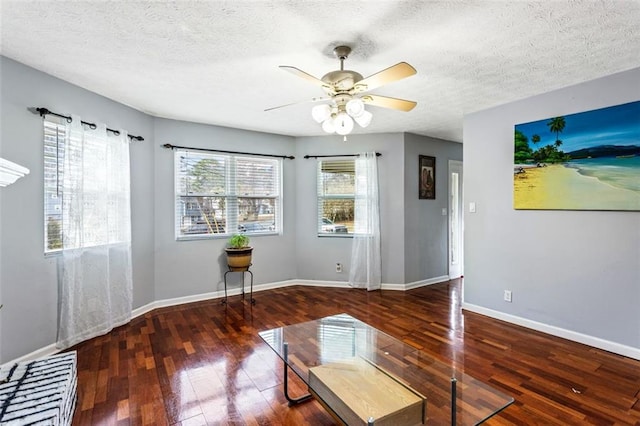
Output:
x,y
299,102
306,76
394,73
392,103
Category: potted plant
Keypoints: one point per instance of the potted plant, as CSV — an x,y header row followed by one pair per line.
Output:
x,y
238,253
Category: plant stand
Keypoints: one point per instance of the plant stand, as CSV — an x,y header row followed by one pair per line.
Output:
x,y
224,301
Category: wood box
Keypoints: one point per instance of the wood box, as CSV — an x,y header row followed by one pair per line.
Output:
x,y
357,391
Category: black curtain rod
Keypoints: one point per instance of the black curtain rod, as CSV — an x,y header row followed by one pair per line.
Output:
x,y
286,157
45,111
337,155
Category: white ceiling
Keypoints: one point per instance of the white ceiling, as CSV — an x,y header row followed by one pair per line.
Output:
x,y
217,62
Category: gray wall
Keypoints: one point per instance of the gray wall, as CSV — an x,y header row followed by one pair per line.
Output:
x,y
28,279
162,267
413,232
426,229
576,270
185,268
317,256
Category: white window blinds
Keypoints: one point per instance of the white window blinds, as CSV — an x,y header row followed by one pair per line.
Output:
x,y
336,194
220,194
54,148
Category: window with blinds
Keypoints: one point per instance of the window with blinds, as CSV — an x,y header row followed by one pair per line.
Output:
x,y
54,149
336,195
220,194
84,195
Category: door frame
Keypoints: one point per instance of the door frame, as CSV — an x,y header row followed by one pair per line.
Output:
x,y
455,166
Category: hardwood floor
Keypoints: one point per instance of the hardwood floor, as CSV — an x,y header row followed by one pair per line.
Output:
x,y
204,364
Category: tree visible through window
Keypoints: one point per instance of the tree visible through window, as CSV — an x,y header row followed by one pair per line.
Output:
x,y
336,194
225,194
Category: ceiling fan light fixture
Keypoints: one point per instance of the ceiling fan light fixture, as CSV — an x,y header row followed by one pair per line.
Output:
x,y
321,112
355,107
346,90
328,125
343,124
364,119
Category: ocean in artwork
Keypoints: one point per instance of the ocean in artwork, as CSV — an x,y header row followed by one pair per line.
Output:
x,y
621,172
583,161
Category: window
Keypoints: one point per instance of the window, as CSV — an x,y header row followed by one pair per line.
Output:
x,y
86,192
220,194
336,194
54,148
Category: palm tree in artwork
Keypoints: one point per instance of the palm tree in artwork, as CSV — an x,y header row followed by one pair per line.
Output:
x,y
557,125
558,143
535,139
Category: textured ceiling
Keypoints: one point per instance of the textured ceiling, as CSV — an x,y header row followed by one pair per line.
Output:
x,y
217,62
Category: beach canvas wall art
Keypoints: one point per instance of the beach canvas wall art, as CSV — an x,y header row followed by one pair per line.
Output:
x,y
584,161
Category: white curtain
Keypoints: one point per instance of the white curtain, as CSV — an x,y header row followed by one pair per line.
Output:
x,y
365,271
95,272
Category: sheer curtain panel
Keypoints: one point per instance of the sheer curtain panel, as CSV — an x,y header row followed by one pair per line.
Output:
x,y
95,273
365,271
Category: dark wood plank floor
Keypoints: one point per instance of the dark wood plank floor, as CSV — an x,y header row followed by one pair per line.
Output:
x,y
204,364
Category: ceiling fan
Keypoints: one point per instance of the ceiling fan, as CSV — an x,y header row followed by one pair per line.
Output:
x,y
347,93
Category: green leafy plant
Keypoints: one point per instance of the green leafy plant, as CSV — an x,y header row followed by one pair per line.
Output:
x,y
238,241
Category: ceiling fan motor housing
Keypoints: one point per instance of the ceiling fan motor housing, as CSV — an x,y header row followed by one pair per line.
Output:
x,y
341,80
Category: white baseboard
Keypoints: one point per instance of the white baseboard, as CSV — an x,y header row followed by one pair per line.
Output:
x,y
316,283
596,342
163,303
207,296
38,353
384,286
430,281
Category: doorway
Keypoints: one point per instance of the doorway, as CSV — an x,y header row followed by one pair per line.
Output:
x,y
456,225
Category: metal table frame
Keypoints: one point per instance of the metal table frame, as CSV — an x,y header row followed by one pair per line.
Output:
x,y
224,301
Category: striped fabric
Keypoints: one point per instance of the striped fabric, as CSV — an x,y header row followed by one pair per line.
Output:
x,y
41,392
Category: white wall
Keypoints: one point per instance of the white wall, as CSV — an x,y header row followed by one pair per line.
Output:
x,y
28,279
577,272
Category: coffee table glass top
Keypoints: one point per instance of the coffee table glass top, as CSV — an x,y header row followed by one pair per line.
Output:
x,y
342,338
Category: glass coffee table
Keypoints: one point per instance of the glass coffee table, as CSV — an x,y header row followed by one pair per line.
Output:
x,y
362,375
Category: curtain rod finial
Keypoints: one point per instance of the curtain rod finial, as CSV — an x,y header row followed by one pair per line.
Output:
x,y
39,110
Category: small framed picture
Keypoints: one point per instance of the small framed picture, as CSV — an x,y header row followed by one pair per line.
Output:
x,y
427,178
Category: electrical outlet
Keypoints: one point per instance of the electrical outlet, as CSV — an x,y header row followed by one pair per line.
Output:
x,y
338,267
507,296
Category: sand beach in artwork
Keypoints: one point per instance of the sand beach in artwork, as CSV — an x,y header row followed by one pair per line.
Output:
x,y
565,188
